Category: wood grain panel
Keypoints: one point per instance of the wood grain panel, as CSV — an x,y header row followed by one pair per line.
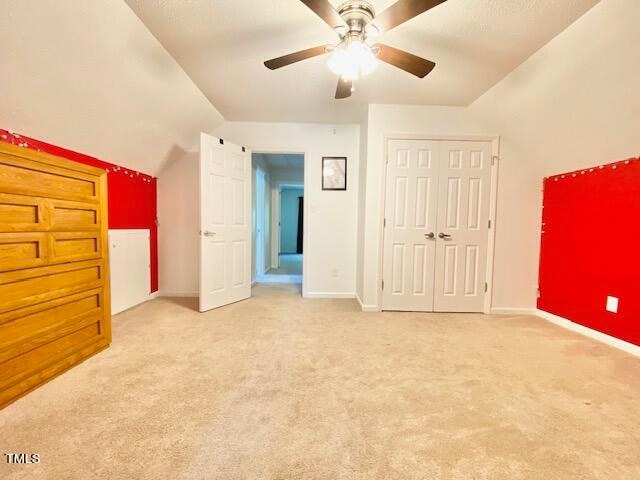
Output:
x,y
24,365
21,288
48,372
74,216
22,250
54,282
14,179
42,327
74,246
19,213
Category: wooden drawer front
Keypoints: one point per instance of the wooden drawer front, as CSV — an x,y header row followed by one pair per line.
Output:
x,y
22,250
74,216
56,319
26,287
41,375
25,177
74,246
22,366
19,213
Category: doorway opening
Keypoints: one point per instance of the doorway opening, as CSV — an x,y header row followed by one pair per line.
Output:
x,y
278,227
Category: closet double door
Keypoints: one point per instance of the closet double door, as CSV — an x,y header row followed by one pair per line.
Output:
x,y
436,222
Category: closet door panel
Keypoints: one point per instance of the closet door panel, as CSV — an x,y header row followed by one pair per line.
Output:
x,y
410,223
463,216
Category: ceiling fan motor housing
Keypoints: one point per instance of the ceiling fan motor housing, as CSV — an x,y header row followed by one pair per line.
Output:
x,y
357,14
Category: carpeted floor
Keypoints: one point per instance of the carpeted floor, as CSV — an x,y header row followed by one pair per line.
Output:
x,y
278,387
290,264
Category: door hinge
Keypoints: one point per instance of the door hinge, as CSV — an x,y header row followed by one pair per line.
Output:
x,y
384,223
489,223
486,287
382,284
494,159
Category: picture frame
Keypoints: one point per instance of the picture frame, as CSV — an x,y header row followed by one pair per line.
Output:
x,y
334,173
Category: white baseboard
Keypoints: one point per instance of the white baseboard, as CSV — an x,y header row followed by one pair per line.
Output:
x,y
366,308
329,295
588,332
153,295
513,311
168,293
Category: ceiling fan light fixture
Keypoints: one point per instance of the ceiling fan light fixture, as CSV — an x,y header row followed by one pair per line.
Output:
x,y
353,61
372,31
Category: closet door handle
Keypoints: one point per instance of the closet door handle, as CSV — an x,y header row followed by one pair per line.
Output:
x,y
207,233
430,235
444,235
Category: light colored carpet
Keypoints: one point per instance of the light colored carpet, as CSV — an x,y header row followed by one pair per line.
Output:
x,y
290,264
278,387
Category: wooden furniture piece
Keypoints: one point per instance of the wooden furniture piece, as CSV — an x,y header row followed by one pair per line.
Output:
x,y
54,278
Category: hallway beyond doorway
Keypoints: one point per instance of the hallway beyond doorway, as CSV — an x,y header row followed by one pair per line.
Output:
x,y
289,271
290,264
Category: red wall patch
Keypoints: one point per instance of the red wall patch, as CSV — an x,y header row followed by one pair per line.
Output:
x,y
132,195
591,248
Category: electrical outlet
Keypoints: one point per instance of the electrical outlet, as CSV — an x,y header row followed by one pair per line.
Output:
x,y
612,304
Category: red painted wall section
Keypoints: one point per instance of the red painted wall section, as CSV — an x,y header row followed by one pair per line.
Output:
x,y
591,247
132,195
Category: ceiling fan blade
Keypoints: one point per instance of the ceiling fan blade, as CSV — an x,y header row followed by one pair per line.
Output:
x,y
344,88
402,11
295,57
406,61
326,12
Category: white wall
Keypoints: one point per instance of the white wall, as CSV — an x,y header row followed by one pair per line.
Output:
x,y
396,119
362,204
90,77
330,217
573,104
178,226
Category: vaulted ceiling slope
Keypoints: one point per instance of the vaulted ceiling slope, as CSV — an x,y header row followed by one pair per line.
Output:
x,y
221,44
89,76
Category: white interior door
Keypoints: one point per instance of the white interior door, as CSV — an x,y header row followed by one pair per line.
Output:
x,y
225,230
463,217
129,267
410,225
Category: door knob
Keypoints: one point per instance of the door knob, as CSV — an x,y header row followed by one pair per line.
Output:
x,y
207,233
444,235
430,235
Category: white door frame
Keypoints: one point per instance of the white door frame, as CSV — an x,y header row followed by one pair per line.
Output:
x,y
260,246
275,246
493,200
277,209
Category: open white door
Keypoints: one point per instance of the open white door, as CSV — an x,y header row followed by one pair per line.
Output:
x,y
225,229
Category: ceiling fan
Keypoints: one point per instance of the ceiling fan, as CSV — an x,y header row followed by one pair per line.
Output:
x,y
354,21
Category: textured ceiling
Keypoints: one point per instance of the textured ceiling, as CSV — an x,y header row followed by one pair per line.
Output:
x,y
221,44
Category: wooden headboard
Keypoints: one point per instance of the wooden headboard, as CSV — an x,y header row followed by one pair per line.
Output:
x,y
54,278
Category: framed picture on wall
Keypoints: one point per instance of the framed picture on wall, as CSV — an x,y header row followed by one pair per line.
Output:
x,y
334,173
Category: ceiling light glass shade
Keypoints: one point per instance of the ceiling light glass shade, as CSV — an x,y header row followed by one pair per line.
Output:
x,y
352,62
